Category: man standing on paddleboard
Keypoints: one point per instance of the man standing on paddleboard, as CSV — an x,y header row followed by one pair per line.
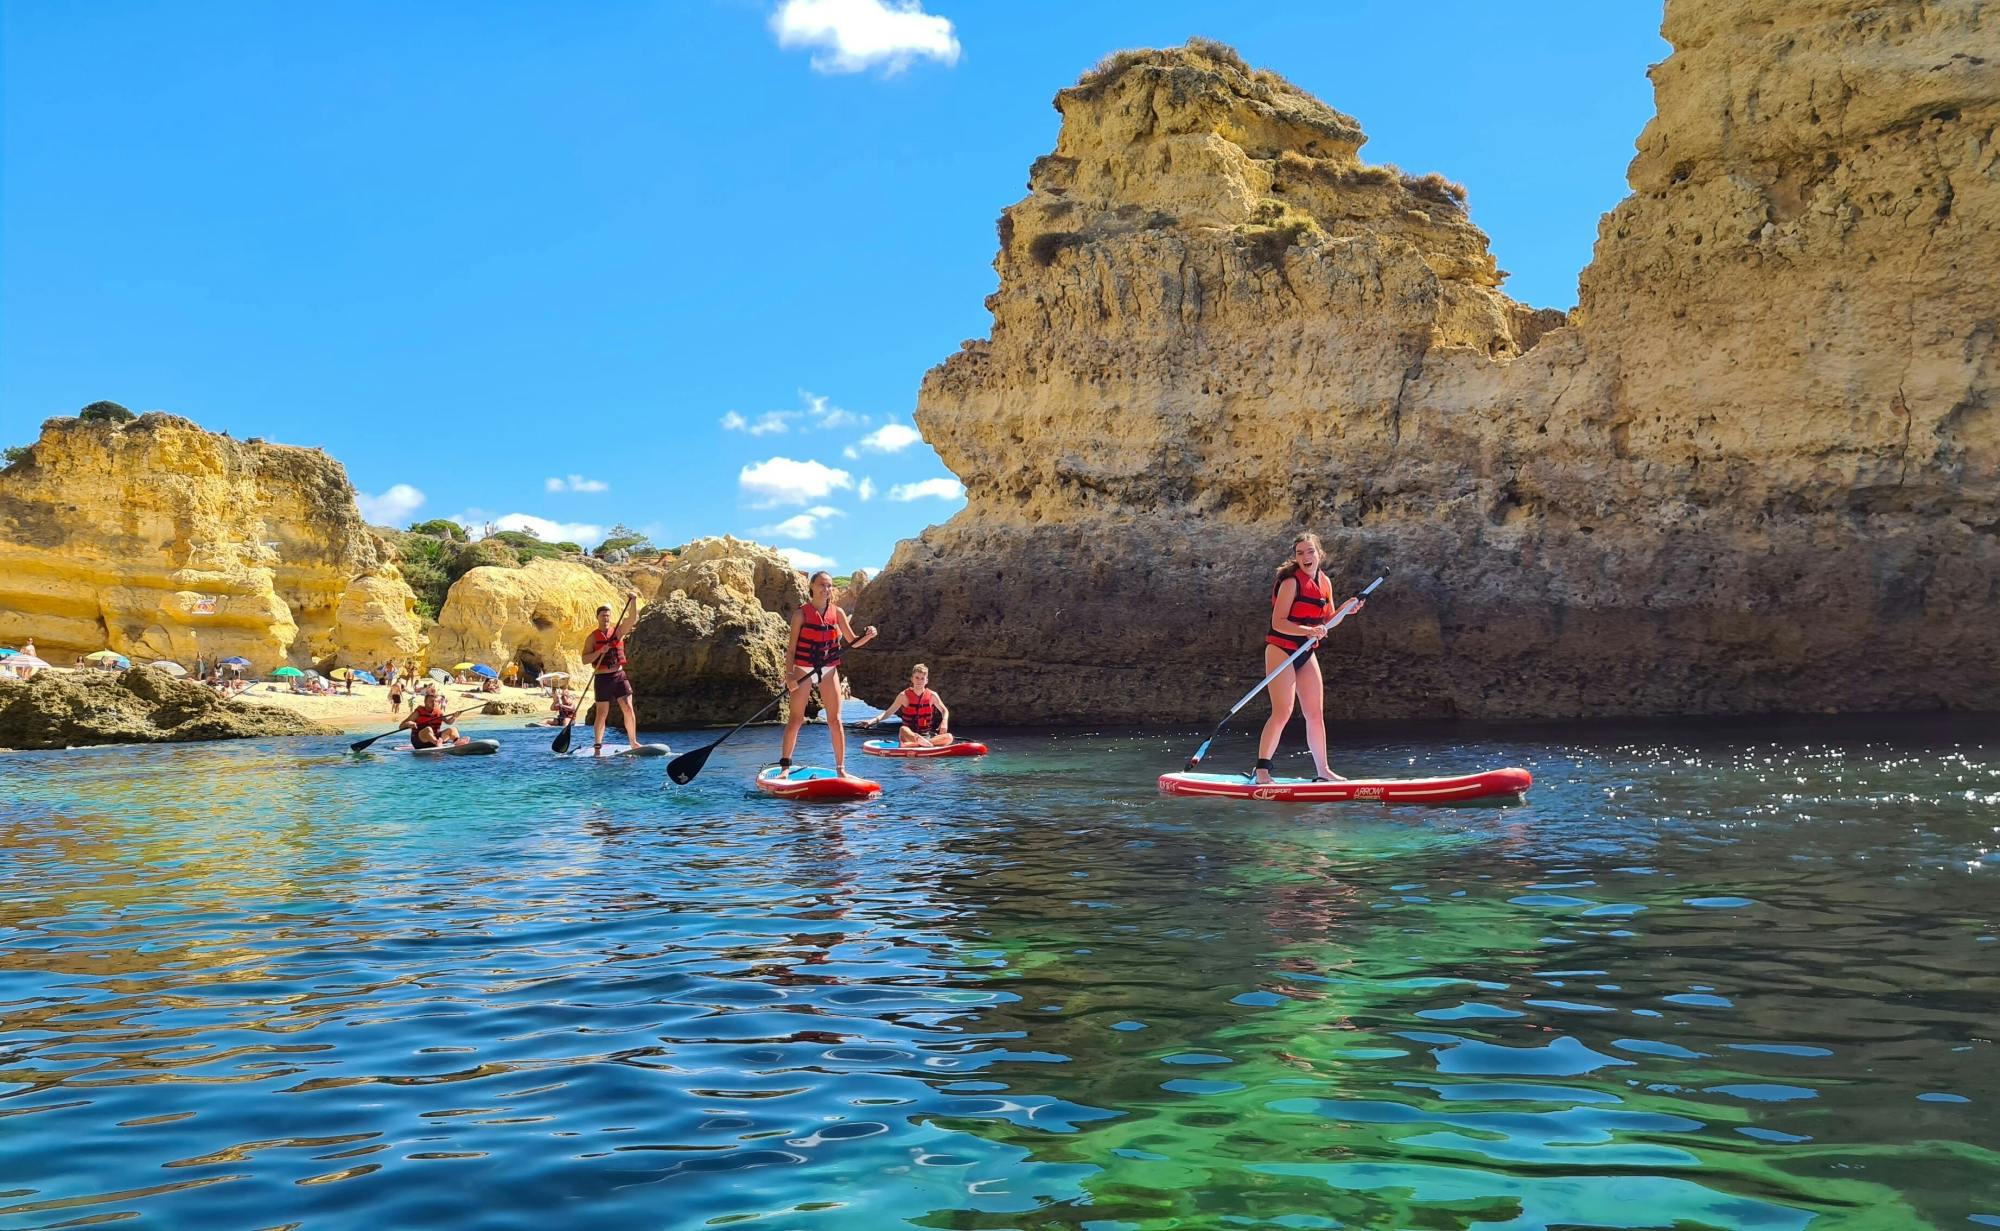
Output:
x,y
604,651
1301,609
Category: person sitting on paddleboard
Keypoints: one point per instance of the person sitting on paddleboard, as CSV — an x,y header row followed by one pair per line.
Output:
x,y
427,725
924,713
563,705
1301,609
820,633
604,651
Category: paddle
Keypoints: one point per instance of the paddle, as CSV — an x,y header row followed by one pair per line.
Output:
x,y
684,767
561,744
1346,609
362,744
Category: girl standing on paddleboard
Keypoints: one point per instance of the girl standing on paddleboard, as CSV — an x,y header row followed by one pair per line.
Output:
x,y
925,716
1301,608
820,634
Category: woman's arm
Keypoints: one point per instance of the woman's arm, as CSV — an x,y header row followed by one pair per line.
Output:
x,y
847,630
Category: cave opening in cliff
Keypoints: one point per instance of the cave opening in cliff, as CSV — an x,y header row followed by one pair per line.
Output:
x,y
531,662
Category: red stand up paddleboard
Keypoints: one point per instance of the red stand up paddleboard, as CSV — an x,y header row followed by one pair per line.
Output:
x,y
956,748
1490,785
812,782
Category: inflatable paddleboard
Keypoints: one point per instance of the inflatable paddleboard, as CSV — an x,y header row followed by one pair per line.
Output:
x,y
890,748
1492,784
463,748
814,782
617,750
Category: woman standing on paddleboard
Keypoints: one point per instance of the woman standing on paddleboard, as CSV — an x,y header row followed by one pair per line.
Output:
x,y
1301,608
820,633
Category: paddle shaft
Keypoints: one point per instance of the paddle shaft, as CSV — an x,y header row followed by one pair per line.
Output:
x,y
1346,609
690,763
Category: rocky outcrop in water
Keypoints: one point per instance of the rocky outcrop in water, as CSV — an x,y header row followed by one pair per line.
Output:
x,y
536,615
60,709
711,649
123,535
1758,469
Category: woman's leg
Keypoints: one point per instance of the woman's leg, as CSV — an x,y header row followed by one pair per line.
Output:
x,y
1312,701
907,736
796,693
1283,692
829,702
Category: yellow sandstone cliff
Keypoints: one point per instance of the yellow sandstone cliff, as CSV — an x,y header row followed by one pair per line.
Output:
x,y
1758,470
118,534
537,615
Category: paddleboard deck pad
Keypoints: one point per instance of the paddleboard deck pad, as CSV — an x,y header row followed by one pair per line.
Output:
x,y
1492,784
814,782
463,748
618,750
890,748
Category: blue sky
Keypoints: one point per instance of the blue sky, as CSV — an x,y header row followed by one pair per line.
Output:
x,y
675,263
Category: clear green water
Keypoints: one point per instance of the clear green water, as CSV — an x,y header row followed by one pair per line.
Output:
x,y
1747,978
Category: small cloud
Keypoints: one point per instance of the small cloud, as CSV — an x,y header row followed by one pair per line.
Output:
x,y
804,526
576,483
804,560
851,453
391,508
851,36
929,489
891,438
763,425
825,414
583,534
780,480
867,489
826,510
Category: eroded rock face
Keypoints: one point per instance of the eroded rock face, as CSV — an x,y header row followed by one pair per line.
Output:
x,y
59,709
111,533
537,615
712,649
1757,472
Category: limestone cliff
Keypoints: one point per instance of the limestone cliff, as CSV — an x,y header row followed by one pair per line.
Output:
x,y
1757,471
112,534
537,615
711,649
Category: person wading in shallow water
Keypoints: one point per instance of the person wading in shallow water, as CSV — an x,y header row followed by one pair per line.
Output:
x,y
1301,608
820,633
604,651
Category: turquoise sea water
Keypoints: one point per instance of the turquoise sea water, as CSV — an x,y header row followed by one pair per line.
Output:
x,y
1742,977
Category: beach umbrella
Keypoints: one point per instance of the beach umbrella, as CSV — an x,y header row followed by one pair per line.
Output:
x,y
108,656
546,676
288,671
341,673
366,677
7,653
439,674
171,668
27,661
463,666
484,671
235,662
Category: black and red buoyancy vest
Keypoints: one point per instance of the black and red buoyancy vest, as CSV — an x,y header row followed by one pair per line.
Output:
x,y
921,714
819,638
613,645
1310,605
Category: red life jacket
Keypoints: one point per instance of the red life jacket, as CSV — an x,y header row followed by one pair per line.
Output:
x,y
613,645
920,713
819,638
1310,605
423,716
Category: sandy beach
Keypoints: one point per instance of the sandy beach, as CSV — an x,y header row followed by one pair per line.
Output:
x,y
368,708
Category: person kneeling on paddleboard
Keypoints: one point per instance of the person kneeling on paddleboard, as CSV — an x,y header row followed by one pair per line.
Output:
x,y
924,713
426,723
604,651
820,634
1301,609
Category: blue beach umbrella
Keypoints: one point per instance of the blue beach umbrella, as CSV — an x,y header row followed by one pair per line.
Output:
x,y
7,653
481,669
235,662
366,677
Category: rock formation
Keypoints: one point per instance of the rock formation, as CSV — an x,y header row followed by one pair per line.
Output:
x,y
1756,470
113,535
62,709
536,615
712,648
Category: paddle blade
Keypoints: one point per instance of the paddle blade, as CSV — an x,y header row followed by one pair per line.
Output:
x,y
561,744
684,767
1199,753
362,744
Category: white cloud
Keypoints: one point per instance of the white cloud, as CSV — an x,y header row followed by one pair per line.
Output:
x,y
891,438
763,425
851,453
939,489
803,560
584,534
576,483
867,489
391,508
826,415
804,526
780,480
826,510
854,35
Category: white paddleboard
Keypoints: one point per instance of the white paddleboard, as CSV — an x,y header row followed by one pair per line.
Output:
x,y
618,750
